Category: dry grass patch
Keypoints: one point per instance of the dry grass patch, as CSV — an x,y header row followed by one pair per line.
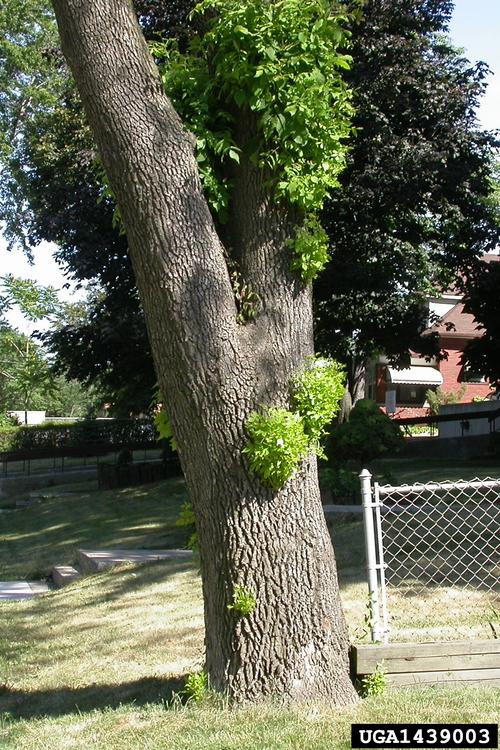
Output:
x,y
102,640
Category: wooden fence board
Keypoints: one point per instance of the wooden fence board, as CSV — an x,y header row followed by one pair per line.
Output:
x,y
367,657
447,662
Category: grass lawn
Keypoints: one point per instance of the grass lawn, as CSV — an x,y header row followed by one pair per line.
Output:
x,y
412,470
94,666
49,532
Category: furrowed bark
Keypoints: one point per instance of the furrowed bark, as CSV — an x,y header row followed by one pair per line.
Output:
x,y
214,371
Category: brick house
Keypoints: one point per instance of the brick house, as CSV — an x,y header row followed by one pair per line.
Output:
x,y
403,391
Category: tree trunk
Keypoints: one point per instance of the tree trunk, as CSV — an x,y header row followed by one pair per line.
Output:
x,y
214,372
356,379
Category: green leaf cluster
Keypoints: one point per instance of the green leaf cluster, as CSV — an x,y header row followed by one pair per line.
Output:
x,y
374,684
164,428
247,300
196,686
316,396
34,301
310,248
280,65
279,438
191,87
244,601
26,381
277,444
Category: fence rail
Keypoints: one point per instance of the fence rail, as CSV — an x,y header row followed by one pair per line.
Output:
x,y
437,546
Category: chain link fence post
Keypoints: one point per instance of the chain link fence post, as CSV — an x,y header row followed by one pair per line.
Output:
x,y
371,553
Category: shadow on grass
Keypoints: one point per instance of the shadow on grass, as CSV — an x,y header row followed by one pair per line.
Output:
x,y
65,700
134,577
34,539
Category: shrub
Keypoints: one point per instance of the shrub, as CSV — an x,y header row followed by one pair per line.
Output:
x,y
343,483
368,434
439,397
7,437
125,457
6,420
196,687
54,438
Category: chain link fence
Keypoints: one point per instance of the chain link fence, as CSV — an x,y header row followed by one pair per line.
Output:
x,y
433,558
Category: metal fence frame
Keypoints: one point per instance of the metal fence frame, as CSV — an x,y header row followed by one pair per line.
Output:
x,y
372,495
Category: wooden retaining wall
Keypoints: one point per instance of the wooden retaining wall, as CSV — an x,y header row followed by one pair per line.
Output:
x,y
448,663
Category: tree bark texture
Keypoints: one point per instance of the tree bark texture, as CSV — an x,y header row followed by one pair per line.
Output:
x,y
356,378
214,371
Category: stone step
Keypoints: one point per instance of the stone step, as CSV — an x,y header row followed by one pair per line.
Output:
x,y
62,575
91,561
19,590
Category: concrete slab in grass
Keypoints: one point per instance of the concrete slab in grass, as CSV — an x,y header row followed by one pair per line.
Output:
x,y
91,561
62,575
19,590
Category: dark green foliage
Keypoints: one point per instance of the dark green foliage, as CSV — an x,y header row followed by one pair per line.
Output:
x,y
368,434
107,343
412,210
125,457
342,483
483,301
112,433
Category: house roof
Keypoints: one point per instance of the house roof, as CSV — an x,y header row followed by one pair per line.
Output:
x,y
457,324
453,290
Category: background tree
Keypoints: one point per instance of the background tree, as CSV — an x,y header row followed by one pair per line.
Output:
x,y
25,378
412,212
107,344
482,355
272,69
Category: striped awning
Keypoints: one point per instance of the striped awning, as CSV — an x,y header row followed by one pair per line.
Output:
x,y
415,375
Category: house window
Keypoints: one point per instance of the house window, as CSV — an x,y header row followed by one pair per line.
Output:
x,y
471,376
411,394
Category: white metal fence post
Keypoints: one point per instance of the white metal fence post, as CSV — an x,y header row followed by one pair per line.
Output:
x,y
371,552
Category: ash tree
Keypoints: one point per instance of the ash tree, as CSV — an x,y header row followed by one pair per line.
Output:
x,y
413,211
219,209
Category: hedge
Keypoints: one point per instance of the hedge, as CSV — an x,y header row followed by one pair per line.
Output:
x,y
118,433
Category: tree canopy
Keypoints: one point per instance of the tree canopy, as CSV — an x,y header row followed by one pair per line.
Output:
x,y
413,210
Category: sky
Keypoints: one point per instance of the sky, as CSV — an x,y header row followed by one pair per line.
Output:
x,y
475,26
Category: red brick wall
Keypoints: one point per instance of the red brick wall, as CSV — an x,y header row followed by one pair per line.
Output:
x,y
451,370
